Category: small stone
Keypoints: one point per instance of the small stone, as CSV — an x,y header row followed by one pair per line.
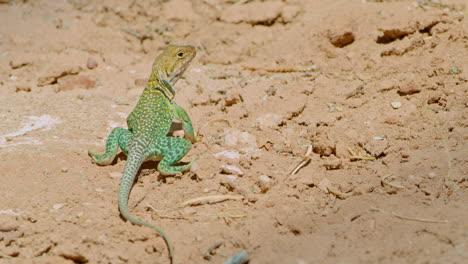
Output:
x,y
231,177
395,105
74,256
141,82
323,185
235,137
334,164
268,121
58,206
249,13
408,87
64,169
91,63
341,39
99,190
431,175
116,174
231,170
265,183
75,82
230,154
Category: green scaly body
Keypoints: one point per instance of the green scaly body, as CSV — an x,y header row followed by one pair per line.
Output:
x,y
148,125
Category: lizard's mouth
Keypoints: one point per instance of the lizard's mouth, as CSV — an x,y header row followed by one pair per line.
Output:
x,y
174,77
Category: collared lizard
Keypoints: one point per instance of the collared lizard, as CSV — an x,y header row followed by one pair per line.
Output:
x,y
148,124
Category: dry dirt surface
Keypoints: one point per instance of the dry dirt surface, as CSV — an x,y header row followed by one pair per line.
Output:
x,y
333,131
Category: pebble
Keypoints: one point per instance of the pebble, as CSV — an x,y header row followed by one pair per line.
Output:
x,y
116,174
235,137
268,121
231,170
58,206
323,185
230,154
75,82
431,175
395,105
265,183
249,13
91,63
64,169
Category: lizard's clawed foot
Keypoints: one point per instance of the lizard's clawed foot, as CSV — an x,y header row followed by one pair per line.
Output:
x,y
100,159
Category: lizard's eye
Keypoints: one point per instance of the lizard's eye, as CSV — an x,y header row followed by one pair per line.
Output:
x,y
180,54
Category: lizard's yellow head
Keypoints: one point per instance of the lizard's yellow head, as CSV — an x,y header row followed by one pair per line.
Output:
x,y
172,63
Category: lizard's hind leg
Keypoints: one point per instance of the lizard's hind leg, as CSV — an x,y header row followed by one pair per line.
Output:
x,y
118,137
174,150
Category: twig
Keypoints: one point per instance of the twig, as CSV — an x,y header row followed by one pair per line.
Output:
x,y
284,69
211,250
412,218
211,200
304,161
185,217
339,194
385,182
359,156
223,76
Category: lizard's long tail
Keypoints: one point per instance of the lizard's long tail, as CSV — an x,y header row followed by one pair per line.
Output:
x,y
135,158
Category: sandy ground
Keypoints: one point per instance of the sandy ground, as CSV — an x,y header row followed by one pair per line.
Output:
x,y
377,90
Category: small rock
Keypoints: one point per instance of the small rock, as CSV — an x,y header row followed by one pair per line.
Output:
x,y
249,13
230,154
231,170
323,185
235,137
141,82
116,174
91,63
232,99
268,121
74,256
341,40
431,175
58,206
408,87
334,164
99,190
75,82
395,105
51,76
231,177
11,236
415,180
64,169
265,183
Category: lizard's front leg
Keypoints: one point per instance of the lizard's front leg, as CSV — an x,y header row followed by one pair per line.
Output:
x,y
118,137
187,126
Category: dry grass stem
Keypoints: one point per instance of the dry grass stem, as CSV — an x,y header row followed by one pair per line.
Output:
x,y
304,161
210,200
411,218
